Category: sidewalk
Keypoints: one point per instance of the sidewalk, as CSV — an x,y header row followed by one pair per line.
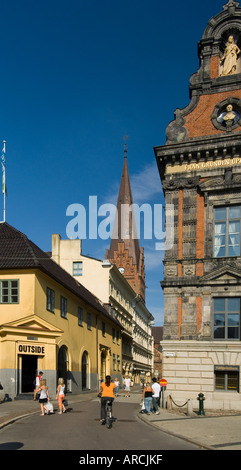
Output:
x,y
11,411
215,430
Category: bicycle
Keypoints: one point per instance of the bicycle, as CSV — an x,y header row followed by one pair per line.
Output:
x,y
108,413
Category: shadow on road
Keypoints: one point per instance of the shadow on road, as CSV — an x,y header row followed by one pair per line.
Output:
x,y
11,445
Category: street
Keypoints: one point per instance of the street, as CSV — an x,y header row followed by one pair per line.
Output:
x,y
80,429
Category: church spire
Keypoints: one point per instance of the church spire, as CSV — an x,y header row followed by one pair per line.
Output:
x,y
124,250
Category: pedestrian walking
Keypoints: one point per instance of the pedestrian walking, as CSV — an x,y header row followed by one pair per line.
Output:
x,y
44,396
147,397
117,386
155,397
60,395
127,383
37,383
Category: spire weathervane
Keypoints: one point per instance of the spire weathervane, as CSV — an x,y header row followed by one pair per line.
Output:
x,y
125,139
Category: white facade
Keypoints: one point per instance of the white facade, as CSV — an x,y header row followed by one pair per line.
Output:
x,y
107,283
189,367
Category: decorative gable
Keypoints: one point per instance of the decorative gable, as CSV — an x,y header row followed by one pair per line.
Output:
x,y
226,274
31,325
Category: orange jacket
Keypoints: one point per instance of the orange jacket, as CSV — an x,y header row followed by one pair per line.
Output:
x,y
107,391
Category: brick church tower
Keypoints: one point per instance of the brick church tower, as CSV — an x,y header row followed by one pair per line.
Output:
x,y
200,171
125,251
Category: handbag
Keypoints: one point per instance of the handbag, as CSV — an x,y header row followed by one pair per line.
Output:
x,y
143,409
49,407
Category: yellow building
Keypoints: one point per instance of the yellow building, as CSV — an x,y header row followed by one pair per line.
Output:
x,y
50,322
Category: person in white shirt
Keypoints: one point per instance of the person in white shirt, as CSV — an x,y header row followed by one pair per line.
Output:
x,y
127,383
117,386
155,397
60,395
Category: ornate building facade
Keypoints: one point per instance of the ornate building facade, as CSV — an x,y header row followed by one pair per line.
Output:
x,y
119,283
107,283
200,171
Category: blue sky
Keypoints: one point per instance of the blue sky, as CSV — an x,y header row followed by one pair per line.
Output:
x,y
76,76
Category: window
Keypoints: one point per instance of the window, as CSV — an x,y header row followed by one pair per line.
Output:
x,y
77,268
50,299
80,316
118,362
117,336
227,231
226,316
63,306
89,321
114,362
9,291
113,335
103,328
227,380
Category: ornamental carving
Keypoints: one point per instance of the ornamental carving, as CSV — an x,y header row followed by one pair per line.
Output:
x,y
171,271
189,270
181,183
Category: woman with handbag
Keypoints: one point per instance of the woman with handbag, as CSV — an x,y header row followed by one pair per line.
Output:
x,y
44,396
60,395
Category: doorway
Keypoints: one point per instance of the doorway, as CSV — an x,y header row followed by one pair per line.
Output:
x,y
103,365
63,366
84,370
29,367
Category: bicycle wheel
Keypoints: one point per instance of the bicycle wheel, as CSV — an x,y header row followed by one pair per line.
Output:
x,y
108,419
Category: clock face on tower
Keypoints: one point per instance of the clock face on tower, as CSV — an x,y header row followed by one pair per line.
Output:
x,y
122,270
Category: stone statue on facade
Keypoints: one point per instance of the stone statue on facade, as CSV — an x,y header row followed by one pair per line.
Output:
x,y
229,59
230,115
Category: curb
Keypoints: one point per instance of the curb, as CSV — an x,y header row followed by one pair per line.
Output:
x,y
171,433
11,420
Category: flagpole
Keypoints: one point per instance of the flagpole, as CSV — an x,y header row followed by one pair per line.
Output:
x,y
4,201
4,182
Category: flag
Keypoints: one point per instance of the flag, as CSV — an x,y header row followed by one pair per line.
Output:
x,y
3,153
4,188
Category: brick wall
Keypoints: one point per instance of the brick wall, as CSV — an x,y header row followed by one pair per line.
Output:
x,y
199,123
214,66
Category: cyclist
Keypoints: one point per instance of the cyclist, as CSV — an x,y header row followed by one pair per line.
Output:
x,y
107,389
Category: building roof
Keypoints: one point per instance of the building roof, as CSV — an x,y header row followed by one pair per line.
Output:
x,y
18,252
